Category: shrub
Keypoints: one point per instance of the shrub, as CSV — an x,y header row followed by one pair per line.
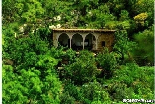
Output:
x,y
108,63
132,81
94,92
73,90
66,98
83,69
70,55
28,87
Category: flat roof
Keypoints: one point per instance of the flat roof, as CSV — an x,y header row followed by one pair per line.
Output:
x,y
83,30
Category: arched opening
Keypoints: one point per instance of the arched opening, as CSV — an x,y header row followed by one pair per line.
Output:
x,y
77,42
90,42
63,40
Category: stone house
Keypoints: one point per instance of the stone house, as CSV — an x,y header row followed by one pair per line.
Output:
x,y
77,39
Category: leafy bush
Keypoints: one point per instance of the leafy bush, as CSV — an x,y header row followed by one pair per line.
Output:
x,y
66,98
22,50
13,91
94,92
73,90
122,45
132,81
108,62
83,70
71,93
70,55
56,53
29,87
44,34
119,91
143,54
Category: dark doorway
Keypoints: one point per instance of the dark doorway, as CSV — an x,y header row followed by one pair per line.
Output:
x,y
89,41
103,43
77,42
63,40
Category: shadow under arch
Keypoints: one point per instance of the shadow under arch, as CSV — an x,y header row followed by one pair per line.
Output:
x,y
64,40
77,40
90,41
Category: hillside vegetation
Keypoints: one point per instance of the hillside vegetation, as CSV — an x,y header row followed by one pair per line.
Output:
x,y
30,61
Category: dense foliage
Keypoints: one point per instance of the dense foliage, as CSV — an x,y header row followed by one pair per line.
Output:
x,y
31,64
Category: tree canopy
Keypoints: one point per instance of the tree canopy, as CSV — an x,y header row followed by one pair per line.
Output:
x,y
34,71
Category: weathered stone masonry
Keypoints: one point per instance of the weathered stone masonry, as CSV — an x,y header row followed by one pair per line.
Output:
x,y
97,38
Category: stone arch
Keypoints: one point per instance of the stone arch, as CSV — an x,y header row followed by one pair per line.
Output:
x,y
63,40
91,38
90,41
77,40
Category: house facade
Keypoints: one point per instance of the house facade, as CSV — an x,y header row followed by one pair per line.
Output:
x,y
77,39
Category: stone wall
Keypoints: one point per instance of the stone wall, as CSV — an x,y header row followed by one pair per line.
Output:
x,y
102,38
105,40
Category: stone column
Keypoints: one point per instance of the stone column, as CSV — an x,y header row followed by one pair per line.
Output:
x,y
96,39
83,42
96,43
83,36
70,39
55,43
70,43
57,38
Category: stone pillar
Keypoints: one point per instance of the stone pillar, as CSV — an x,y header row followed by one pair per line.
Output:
x,y
55,43
96,43
83,43
70,43
96,39
83,36
57,38
70,39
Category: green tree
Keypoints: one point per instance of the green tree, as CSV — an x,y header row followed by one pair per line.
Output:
x,y
83,69
18,50
146,52
73,93
93,92
132,81
29,87
122,45
13,91
108,62
21,12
